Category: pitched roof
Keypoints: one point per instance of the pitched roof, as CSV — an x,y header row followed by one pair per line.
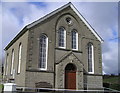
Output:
x,y
51,14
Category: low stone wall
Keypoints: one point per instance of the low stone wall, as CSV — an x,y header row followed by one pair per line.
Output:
x,y
38,79
93,82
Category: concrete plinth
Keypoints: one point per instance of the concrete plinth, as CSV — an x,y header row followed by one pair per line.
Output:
x,y
9,87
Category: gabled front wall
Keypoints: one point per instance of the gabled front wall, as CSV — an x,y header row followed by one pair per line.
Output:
x,y
50,27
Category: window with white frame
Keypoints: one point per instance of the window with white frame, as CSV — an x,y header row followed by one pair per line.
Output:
x,y
62,37
12,63
90,58
74,39
19,57
43,52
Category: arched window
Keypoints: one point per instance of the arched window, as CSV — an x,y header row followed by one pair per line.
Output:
x,y
43,52
6,64
74,40
12,62
90,58
62,37
19,57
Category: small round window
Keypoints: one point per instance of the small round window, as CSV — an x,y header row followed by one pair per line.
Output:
x,y
68,20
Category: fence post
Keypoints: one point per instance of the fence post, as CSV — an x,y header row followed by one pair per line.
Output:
x,y
9,87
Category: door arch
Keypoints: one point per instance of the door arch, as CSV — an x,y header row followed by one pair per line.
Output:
x,y
70,76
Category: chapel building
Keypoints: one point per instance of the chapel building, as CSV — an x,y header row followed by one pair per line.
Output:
x,y
60,50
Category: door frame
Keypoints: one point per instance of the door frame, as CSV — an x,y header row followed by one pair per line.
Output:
x,y
68,70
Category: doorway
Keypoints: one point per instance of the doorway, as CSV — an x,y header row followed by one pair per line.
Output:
x,y
70,76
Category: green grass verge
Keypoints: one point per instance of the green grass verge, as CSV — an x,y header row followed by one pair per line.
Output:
x,y
115,86
1,87
113,81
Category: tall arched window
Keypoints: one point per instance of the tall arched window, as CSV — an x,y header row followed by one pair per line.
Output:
x,y
62,37
74,40
43,52
90,58
6,64
12,63
19,57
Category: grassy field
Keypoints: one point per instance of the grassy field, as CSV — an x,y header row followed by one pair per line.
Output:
x,y
112,81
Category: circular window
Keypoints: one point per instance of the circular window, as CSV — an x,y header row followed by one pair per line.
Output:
x,y
68,20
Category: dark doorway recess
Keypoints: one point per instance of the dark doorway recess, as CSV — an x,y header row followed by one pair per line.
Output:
x,y
70,76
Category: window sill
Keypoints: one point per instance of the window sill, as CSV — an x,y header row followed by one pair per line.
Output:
x,y
62,47
69,50
90,72
39,70
75,49
93,74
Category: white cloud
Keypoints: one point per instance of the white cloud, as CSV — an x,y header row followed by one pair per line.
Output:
x,y
110,58
16,15
10,27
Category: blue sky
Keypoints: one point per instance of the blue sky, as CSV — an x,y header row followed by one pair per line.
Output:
x,y
103,17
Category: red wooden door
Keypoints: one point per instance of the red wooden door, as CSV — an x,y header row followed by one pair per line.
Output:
x,y
70,79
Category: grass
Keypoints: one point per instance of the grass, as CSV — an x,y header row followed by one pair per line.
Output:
x,y
1,87
112,81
